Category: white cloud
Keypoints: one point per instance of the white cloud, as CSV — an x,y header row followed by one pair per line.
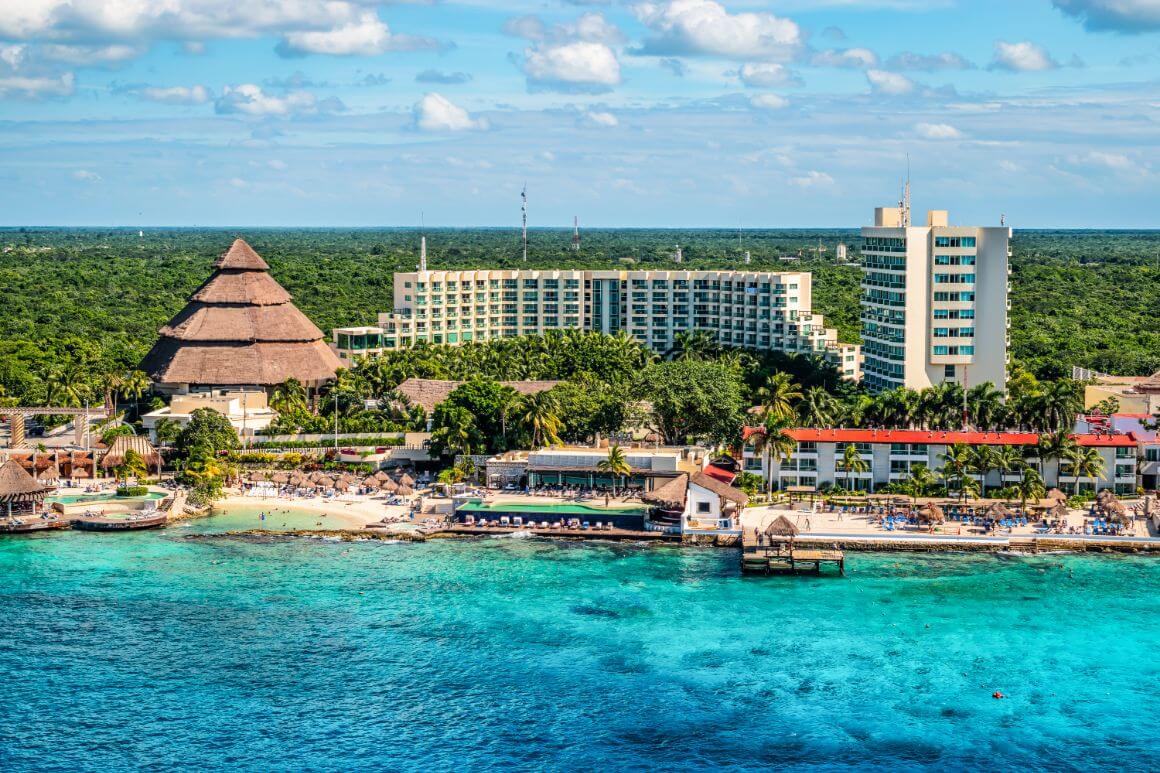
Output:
x,y
937,131
434,112
947,60
28,87
601,118
856,58
769,101
890,83
591,27
250,99
366,36
581,66
85,176
1116,161
765,75
812,179
174,95
1021,57
687,27
1128,16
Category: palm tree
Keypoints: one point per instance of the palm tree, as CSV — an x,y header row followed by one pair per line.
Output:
x,y
1010,459
698,344
957,467
852,462
540,419
984,459
1085,462
289,396
616,464
985,405
65,388
769,441
132,466
134,384
1030,486
818,408
110,383
166,431
1057,445
779,396
920,481
456,431
1059,402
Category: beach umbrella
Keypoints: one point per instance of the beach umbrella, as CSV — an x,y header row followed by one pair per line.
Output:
x,y
405,491
49,473
80,472
280,478
324,481
371,481
997,511
406,480
255,477
390,486
1057,495
382,475
1059,510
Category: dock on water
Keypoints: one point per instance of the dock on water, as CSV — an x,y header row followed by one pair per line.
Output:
x,y
766,556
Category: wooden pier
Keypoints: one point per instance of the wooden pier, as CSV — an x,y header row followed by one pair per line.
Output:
x,y
784,557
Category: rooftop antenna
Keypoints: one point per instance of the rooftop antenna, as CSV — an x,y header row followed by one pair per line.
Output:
x,y
575,233
1002,219
524,213
905,204
422,245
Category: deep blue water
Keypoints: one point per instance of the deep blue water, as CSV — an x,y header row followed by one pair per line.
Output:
x,y
155,650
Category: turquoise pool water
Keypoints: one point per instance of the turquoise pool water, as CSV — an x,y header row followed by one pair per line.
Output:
x,y
156,649
279,517
70,499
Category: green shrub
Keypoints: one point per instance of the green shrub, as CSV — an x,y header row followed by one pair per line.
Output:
x,y
132,491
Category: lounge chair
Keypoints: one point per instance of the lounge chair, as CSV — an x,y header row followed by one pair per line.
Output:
x,y
505,521
543,524
517,521
599,525
584,525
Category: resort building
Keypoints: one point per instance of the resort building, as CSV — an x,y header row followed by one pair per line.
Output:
x,y
239,329
1131,394
889,456
934,302
248,410
765,311
1140,427
579,466
703,503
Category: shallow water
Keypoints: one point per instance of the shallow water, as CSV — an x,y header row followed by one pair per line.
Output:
x,y
164,650
280,516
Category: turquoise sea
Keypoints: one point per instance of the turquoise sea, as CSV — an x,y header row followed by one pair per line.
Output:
x,y
166,650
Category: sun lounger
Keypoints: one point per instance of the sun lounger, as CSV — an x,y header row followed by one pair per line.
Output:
x,y
505,521
599,525
518,521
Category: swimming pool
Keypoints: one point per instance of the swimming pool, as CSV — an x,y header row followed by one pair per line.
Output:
x,y
72,499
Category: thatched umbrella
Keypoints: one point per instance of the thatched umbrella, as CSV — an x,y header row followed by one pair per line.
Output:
x,y
80,472
1059,510
931,513
998,511
781,527
50,472
315,476
257,477
1116,510
381,475
1057,495
324,481
406,480
371,481
280,478
389,486
405,491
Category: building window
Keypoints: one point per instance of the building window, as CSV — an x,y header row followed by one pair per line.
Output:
x,y
703,507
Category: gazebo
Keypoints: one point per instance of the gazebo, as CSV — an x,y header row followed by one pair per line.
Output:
x,y
19,491
781,527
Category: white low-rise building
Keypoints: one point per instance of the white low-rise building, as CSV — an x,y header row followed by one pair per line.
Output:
x,y
248,410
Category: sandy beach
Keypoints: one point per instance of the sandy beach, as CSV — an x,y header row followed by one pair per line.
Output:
x,y
349,511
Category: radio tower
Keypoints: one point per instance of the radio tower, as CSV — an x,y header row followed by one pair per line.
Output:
x,y
524,213
575,233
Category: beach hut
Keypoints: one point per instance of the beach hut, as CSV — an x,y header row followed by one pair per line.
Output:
x,y
932,514
781,527
19,491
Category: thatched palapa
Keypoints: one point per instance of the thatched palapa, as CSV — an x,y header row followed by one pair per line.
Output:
x,y
138,443
669,496
239,329
781,527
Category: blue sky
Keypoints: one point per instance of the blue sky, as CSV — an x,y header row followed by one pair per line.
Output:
x,y
656,113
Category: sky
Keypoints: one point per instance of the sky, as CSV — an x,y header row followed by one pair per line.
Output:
x,y
658,113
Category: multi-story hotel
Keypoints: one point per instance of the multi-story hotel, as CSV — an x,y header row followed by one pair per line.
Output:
x,y
745,309
891,454
934,302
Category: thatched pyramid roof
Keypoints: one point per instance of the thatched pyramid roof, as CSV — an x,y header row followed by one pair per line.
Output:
x,y
240,328
781,527
16,485
669,496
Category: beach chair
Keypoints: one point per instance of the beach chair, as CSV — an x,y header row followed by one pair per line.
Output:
x,y
584,525
543,524
518,521
505,521
608,526
599,525
469,520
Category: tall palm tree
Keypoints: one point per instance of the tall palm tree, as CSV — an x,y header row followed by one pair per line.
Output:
x,y
1010,459
818,408
1030,486
984,459
920,481
957,467
616,464
541,420
132,466
1085,462
697,344
1059,402
773,446
289,396
1056,445
985,405
135,384
456,432
852,462
779,396
64,387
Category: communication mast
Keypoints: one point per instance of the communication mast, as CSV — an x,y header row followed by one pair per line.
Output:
x,y
575,233
904,204
524,213
422,245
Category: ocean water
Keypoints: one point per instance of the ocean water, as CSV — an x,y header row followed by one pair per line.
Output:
x,y
164,650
